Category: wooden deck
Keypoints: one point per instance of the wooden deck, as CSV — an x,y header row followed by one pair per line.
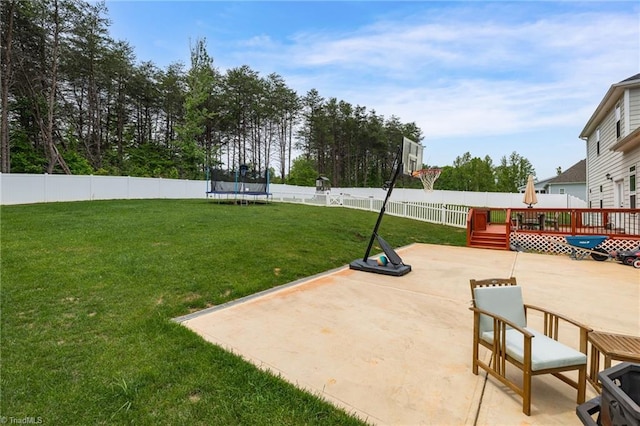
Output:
x,y
540,228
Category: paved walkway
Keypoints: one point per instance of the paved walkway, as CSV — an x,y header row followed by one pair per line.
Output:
x,y
397,350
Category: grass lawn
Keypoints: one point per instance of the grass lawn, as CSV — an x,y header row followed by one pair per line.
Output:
x,y
88,291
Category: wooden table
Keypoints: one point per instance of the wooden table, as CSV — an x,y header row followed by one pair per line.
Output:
x,y
611,346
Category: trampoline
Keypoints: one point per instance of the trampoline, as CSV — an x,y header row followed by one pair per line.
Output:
x,y
240,186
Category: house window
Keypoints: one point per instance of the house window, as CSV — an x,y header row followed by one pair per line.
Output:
x,y
618,121
632,187
598,141
561,190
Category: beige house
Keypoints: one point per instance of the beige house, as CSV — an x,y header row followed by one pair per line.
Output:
x,y
612,135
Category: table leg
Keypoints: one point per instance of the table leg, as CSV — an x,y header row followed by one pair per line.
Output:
x,y
594,368
607,362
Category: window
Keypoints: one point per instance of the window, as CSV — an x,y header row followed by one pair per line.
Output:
x,y
632,187
598,141
618,121
561,190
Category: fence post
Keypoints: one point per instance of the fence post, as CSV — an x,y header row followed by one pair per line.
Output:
x,y
45,185
443,214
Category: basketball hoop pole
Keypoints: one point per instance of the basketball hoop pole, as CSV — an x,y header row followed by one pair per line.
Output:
x,y
374,234
395,266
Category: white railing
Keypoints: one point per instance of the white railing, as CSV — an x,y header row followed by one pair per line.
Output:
x,y
444,214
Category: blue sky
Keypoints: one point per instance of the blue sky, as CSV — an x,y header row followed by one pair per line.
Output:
x,y
487,78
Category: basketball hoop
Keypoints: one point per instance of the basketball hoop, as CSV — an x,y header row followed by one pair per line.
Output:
x,y
428,177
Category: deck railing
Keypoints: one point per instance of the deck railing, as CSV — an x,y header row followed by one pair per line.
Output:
x,y
609,222
545,229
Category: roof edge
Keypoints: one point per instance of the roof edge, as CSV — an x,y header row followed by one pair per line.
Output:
x,y
609,99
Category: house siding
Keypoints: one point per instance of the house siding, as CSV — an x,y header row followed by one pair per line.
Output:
x,y
632,159
625,96
634,109
622,104
607,162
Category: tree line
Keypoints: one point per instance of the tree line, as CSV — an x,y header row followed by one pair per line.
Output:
x,y
74,100
480,174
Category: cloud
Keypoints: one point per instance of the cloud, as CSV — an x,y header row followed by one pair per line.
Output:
x,y
463,72
460,45
262,41
455,78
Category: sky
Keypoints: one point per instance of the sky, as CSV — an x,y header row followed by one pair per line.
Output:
x,y
488,78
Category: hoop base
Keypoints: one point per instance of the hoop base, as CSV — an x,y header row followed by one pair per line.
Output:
x,y
372,266
394,267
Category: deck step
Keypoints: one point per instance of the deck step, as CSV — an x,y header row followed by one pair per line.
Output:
x,y
489,240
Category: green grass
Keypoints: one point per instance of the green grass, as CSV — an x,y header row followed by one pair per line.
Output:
x,y
88,291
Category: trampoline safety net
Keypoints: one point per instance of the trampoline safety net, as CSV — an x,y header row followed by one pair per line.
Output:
x,y
248,181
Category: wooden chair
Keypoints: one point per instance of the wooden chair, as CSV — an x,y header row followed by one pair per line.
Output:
x,y
500,325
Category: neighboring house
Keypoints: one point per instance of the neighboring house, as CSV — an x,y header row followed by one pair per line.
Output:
x,y
540,185
612,136
573,181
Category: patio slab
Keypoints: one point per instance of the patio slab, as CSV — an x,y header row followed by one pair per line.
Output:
x,y
397,350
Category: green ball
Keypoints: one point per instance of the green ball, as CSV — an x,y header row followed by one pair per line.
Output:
x,y
382,261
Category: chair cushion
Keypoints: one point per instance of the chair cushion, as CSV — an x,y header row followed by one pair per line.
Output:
x,y
545,352
505,301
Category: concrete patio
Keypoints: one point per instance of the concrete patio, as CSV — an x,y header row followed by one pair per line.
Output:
x,y
397,350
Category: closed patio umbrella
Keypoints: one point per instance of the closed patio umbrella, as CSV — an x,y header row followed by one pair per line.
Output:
x,y
530,197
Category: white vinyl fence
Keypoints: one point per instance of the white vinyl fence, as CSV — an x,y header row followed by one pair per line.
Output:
x,y
444,207
28,188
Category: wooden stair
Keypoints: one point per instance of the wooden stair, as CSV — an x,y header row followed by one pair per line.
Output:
x,y
489,240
